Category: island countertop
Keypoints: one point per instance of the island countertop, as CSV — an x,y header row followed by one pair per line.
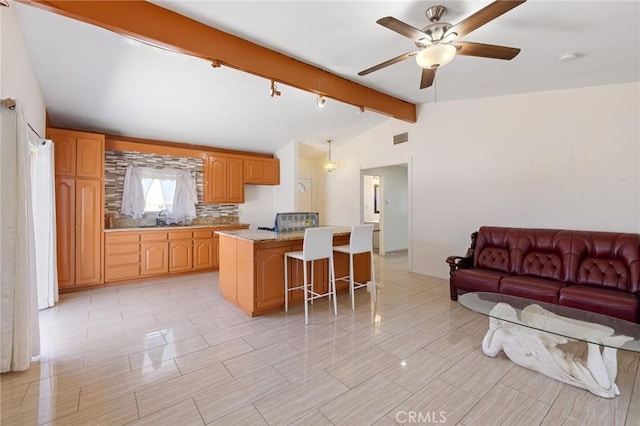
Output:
x,y
257,236
252,268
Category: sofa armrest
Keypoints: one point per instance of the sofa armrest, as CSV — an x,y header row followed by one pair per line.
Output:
x,y
457,262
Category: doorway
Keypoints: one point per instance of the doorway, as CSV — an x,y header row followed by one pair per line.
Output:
x,y
385,203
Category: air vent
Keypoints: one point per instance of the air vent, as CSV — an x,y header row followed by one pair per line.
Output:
x,y
401,138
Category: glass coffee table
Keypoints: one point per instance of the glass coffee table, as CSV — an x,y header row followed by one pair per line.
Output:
x,y
528,332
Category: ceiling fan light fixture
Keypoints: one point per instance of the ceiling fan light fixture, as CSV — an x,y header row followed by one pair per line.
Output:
x,y
436,55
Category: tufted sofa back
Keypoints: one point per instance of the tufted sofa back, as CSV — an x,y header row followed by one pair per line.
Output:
x,y
493,248
599,259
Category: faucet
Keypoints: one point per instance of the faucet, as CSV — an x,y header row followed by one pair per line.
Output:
x,y
161,220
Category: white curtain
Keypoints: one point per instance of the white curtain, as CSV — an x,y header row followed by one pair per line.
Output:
x,y
20,334
178,186
44,221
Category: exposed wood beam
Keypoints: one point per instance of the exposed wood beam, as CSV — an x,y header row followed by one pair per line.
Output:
x,y
164,28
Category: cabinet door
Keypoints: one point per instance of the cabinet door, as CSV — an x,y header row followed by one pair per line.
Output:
x,y
89,158
180,255
270,276
235,180
271,172
253,171
155,258
64,148
88,230
216,179
65,222
216,251
203,253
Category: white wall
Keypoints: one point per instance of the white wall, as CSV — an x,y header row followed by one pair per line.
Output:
x,y
17,77
558,159
284,194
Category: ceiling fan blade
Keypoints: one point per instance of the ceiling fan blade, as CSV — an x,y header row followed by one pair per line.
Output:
x,y
387,63
401,28
428,75
468,48
483,16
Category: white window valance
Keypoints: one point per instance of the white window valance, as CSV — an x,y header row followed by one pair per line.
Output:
x,y
178,188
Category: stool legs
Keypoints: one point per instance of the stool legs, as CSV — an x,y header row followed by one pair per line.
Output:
x,y
286,284
374,288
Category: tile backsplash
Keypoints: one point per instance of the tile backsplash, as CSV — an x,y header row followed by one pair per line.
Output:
x,y
116,163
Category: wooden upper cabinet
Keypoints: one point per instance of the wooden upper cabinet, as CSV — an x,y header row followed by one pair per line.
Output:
x,y
235,180
65,153
272,172
89,158
224,180
261,171
78,154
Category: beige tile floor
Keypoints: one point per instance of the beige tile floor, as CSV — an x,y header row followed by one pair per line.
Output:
x,y
173,352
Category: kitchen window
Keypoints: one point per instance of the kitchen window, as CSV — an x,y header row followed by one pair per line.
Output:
x,y
149,190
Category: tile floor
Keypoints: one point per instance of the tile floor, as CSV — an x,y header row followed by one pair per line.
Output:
x,y
173,352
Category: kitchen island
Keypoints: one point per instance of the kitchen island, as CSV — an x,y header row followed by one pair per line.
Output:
x,y
252,268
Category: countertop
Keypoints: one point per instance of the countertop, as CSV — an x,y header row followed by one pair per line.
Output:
x,y
256,236
175,227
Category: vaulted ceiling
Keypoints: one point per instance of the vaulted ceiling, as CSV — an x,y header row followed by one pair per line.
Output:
x,y
97,80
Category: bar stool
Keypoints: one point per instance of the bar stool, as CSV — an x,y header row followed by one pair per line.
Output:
x,y
360,241
317,244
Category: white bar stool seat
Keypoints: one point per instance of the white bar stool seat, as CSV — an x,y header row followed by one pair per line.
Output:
x,y
360,241
317,244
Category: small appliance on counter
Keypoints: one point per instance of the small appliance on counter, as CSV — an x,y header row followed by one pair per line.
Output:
x,y
294,222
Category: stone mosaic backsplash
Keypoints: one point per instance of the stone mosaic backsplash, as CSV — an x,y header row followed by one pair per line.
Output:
x,y
116,163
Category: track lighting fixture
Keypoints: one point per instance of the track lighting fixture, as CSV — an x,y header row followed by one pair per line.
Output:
x,y
274,89
321,101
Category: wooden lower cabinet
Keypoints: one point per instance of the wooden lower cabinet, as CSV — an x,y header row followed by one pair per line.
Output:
x,y
88,232
65,231
252,273
203,254
122,256
135,254
180,255
180,251
155,257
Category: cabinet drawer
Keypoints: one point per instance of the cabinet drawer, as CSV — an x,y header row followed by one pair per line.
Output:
x,y
123,259
180,235
120,272
153,236
123,248
203,234
123,237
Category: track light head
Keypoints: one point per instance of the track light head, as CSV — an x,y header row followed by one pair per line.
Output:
x,y
274,89
321,101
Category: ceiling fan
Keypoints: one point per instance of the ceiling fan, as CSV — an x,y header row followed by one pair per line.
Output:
x,y
438,43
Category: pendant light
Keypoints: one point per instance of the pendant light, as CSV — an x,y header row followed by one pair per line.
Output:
x,y
329,166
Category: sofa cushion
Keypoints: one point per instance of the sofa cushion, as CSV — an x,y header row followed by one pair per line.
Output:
x,y
531,288
614,303
478,279
493,248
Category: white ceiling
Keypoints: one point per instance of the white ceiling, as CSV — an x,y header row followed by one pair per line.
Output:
x,y
96,80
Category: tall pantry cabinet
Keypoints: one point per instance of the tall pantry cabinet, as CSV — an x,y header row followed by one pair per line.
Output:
x,y
79,175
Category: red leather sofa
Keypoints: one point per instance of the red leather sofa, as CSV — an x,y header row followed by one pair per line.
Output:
x,y
594,271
